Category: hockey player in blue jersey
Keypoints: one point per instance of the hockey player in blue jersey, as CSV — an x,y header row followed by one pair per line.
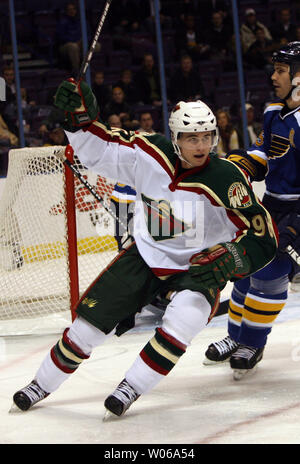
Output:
x,y
123,198
257,300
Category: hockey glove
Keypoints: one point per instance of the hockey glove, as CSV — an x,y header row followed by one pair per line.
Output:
x,y
289,232
219,264
78,102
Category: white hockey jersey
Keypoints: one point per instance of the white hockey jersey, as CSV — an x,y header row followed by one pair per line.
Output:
x,y
178,213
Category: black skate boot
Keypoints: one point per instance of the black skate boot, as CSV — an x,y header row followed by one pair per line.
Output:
x,y
219,352
121,399
29,395
245,360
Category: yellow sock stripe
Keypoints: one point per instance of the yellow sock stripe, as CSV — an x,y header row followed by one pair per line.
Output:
x,y
163,352
235,307
264,305
259,318
235,312
68,354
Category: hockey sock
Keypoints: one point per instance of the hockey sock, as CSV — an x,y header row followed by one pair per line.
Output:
x,y
155,361
265,299
65,357
236,305
260,312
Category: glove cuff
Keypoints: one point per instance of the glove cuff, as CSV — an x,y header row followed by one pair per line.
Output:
x,y
241,260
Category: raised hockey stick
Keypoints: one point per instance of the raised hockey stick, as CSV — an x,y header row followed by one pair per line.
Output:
x,y
91,50
80,76
62,155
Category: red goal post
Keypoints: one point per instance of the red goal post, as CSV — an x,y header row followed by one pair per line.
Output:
x,y
55,238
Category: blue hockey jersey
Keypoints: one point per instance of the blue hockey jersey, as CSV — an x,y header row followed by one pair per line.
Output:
x,y
278,150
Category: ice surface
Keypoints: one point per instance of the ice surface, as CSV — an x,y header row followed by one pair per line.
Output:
x,y
194,404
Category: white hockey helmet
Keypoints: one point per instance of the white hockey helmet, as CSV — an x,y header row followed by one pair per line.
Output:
x,y
192,117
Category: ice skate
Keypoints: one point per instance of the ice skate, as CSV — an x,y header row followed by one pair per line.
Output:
x,y
220,352
244,360
121,399
28,396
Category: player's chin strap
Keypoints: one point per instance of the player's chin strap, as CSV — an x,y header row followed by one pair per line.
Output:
x,y
183,159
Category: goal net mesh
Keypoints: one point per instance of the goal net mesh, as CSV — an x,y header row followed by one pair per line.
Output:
x,y
34,271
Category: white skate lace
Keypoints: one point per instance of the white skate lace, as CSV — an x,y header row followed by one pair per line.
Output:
x,y
34,392
125,393
245,352
225,345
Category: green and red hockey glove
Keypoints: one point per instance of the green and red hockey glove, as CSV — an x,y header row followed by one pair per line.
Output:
x,y
219,264
78,102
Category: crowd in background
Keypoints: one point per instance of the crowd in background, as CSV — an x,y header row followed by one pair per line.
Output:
x,y
195,32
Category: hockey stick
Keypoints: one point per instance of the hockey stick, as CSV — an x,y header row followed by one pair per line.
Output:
x,y
90,52
80,76
61,154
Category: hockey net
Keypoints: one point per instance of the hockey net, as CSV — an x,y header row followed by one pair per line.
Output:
x,y
41,244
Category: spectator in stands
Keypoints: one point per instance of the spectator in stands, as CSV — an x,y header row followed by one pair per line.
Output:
x,y
189,40
69,38
259,54
9,77
11,111
118,105
146,123
7,138
254,127
114,120
127,16
218,35
249,28
284,30
54,119
166,23
202,8
128,86
101,91
8,108
186,84
147,82
56,136
228,137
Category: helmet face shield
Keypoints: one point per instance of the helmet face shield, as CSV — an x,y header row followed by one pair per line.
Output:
x,y
192,117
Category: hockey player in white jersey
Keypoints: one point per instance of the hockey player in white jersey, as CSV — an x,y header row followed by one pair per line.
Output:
x,y
197,225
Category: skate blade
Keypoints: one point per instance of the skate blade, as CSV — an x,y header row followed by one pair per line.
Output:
x,y
110,416
209,362
14,409
239,374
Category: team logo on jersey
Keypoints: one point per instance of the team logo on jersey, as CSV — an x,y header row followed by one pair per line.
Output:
x,y
260,139
161,221
291,138
279,146
89,302
238,196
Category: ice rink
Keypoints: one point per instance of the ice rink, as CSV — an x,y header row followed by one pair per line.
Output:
x,y
193,405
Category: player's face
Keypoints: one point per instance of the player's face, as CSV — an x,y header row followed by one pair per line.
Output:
x,y
195,148
281,80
